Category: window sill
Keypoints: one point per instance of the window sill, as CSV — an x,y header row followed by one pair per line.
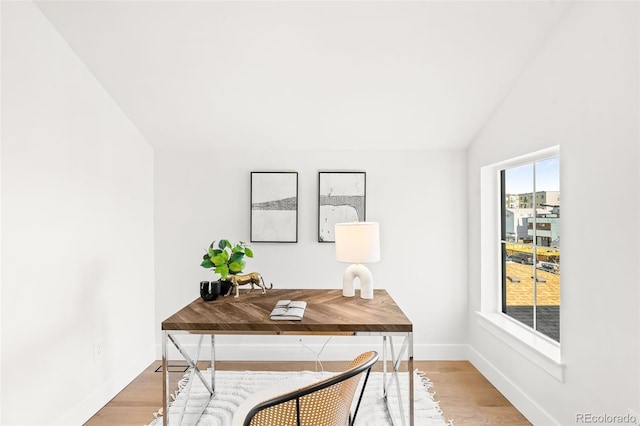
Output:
x,y
540,350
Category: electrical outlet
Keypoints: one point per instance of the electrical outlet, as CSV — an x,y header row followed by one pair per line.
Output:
x,y
98,348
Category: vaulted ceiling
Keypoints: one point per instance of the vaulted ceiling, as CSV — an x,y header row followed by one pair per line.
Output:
x,y
306,74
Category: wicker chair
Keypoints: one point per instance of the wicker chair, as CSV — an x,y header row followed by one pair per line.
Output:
x,y
324,403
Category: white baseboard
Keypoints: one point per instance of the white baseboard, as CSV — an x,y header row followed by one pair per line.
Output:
x,y
88,407
521,401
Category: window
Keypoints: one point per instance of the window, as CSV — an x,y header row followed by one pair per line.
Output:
x,y
504,229
530,244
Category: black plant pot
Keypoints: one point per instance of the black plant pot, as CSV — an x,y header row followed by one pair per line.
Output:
x,y
225,286
209,290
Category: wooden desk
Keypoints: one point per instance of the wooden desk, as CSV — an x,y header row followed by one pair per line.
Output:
x,y
327,313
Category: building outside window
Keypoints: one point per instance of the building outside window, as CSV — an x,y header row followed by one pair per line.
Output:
x,y
530,244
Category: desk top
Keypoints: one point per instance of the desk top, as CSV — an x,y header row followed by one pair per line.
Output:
x,y
327,312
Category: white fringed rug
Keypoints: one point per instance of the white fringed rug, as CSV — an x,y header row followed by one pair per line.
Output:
x,y
233,387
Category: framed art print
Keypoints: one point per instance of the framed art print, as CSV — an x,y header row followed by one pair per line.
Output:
x,y
274,207
341,198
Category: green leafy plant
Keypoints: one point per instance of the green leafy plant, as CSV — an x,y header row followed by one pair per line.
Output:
x,y
226,258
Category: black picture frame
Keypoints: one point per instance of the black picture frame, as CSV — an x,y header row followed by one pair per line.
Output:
x,y
274,207
342,197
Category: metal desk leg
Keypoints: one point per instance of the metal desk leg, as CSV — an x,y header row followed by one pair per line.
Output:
x,y
165,379
195,371
213,363
411,390
187,388
384,366
396,362
192,363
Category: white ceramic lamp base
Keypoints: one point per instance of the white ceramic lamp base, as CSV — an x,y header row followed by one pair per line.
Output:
x,y
366,281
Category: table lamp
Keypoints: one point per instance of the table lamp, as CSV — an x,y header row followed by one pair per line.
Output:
x,y
357,243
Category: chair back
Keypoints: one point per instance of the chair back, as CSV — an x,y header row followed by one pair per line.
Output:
x,y
324,403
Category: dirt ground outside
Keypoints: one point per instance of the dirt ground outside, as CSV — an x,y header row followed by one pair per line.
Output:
x,y
521,293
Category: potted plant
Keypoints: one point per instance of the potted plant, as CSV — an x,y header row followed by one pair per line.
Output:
x,y
226,258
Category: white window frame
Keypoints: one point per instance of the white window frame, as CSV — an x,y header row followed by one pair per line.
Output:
x,y
538,348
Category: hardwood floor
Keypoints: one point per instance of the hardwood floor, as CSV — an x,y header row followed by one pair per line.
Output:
x,y
465,396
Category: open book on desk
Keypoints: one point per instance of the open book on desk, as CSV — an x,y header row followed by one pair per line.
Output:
x,y
288,310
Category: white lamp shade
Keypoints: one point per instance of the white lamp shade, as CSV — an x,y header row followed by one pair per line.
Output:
x,y
357,242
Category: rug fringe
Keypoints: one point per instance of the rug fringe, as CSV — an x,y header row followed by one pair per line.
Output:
x,y
182,383
428,384
424,379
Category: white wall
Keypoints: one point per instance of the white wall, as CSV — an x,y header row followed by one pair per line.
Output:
x,y
77,232
418,197
581,92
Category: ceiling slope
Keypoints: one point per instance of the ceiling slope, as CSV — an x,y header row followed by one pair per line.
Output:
x,y
305,74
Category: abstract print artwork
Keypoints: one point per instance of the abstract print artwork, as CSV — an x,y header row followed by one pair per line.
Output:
x,y
274,207
341,199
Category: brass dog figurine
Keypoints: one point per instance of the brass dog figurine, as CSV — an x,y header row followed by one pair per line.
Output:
x,y
251,278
